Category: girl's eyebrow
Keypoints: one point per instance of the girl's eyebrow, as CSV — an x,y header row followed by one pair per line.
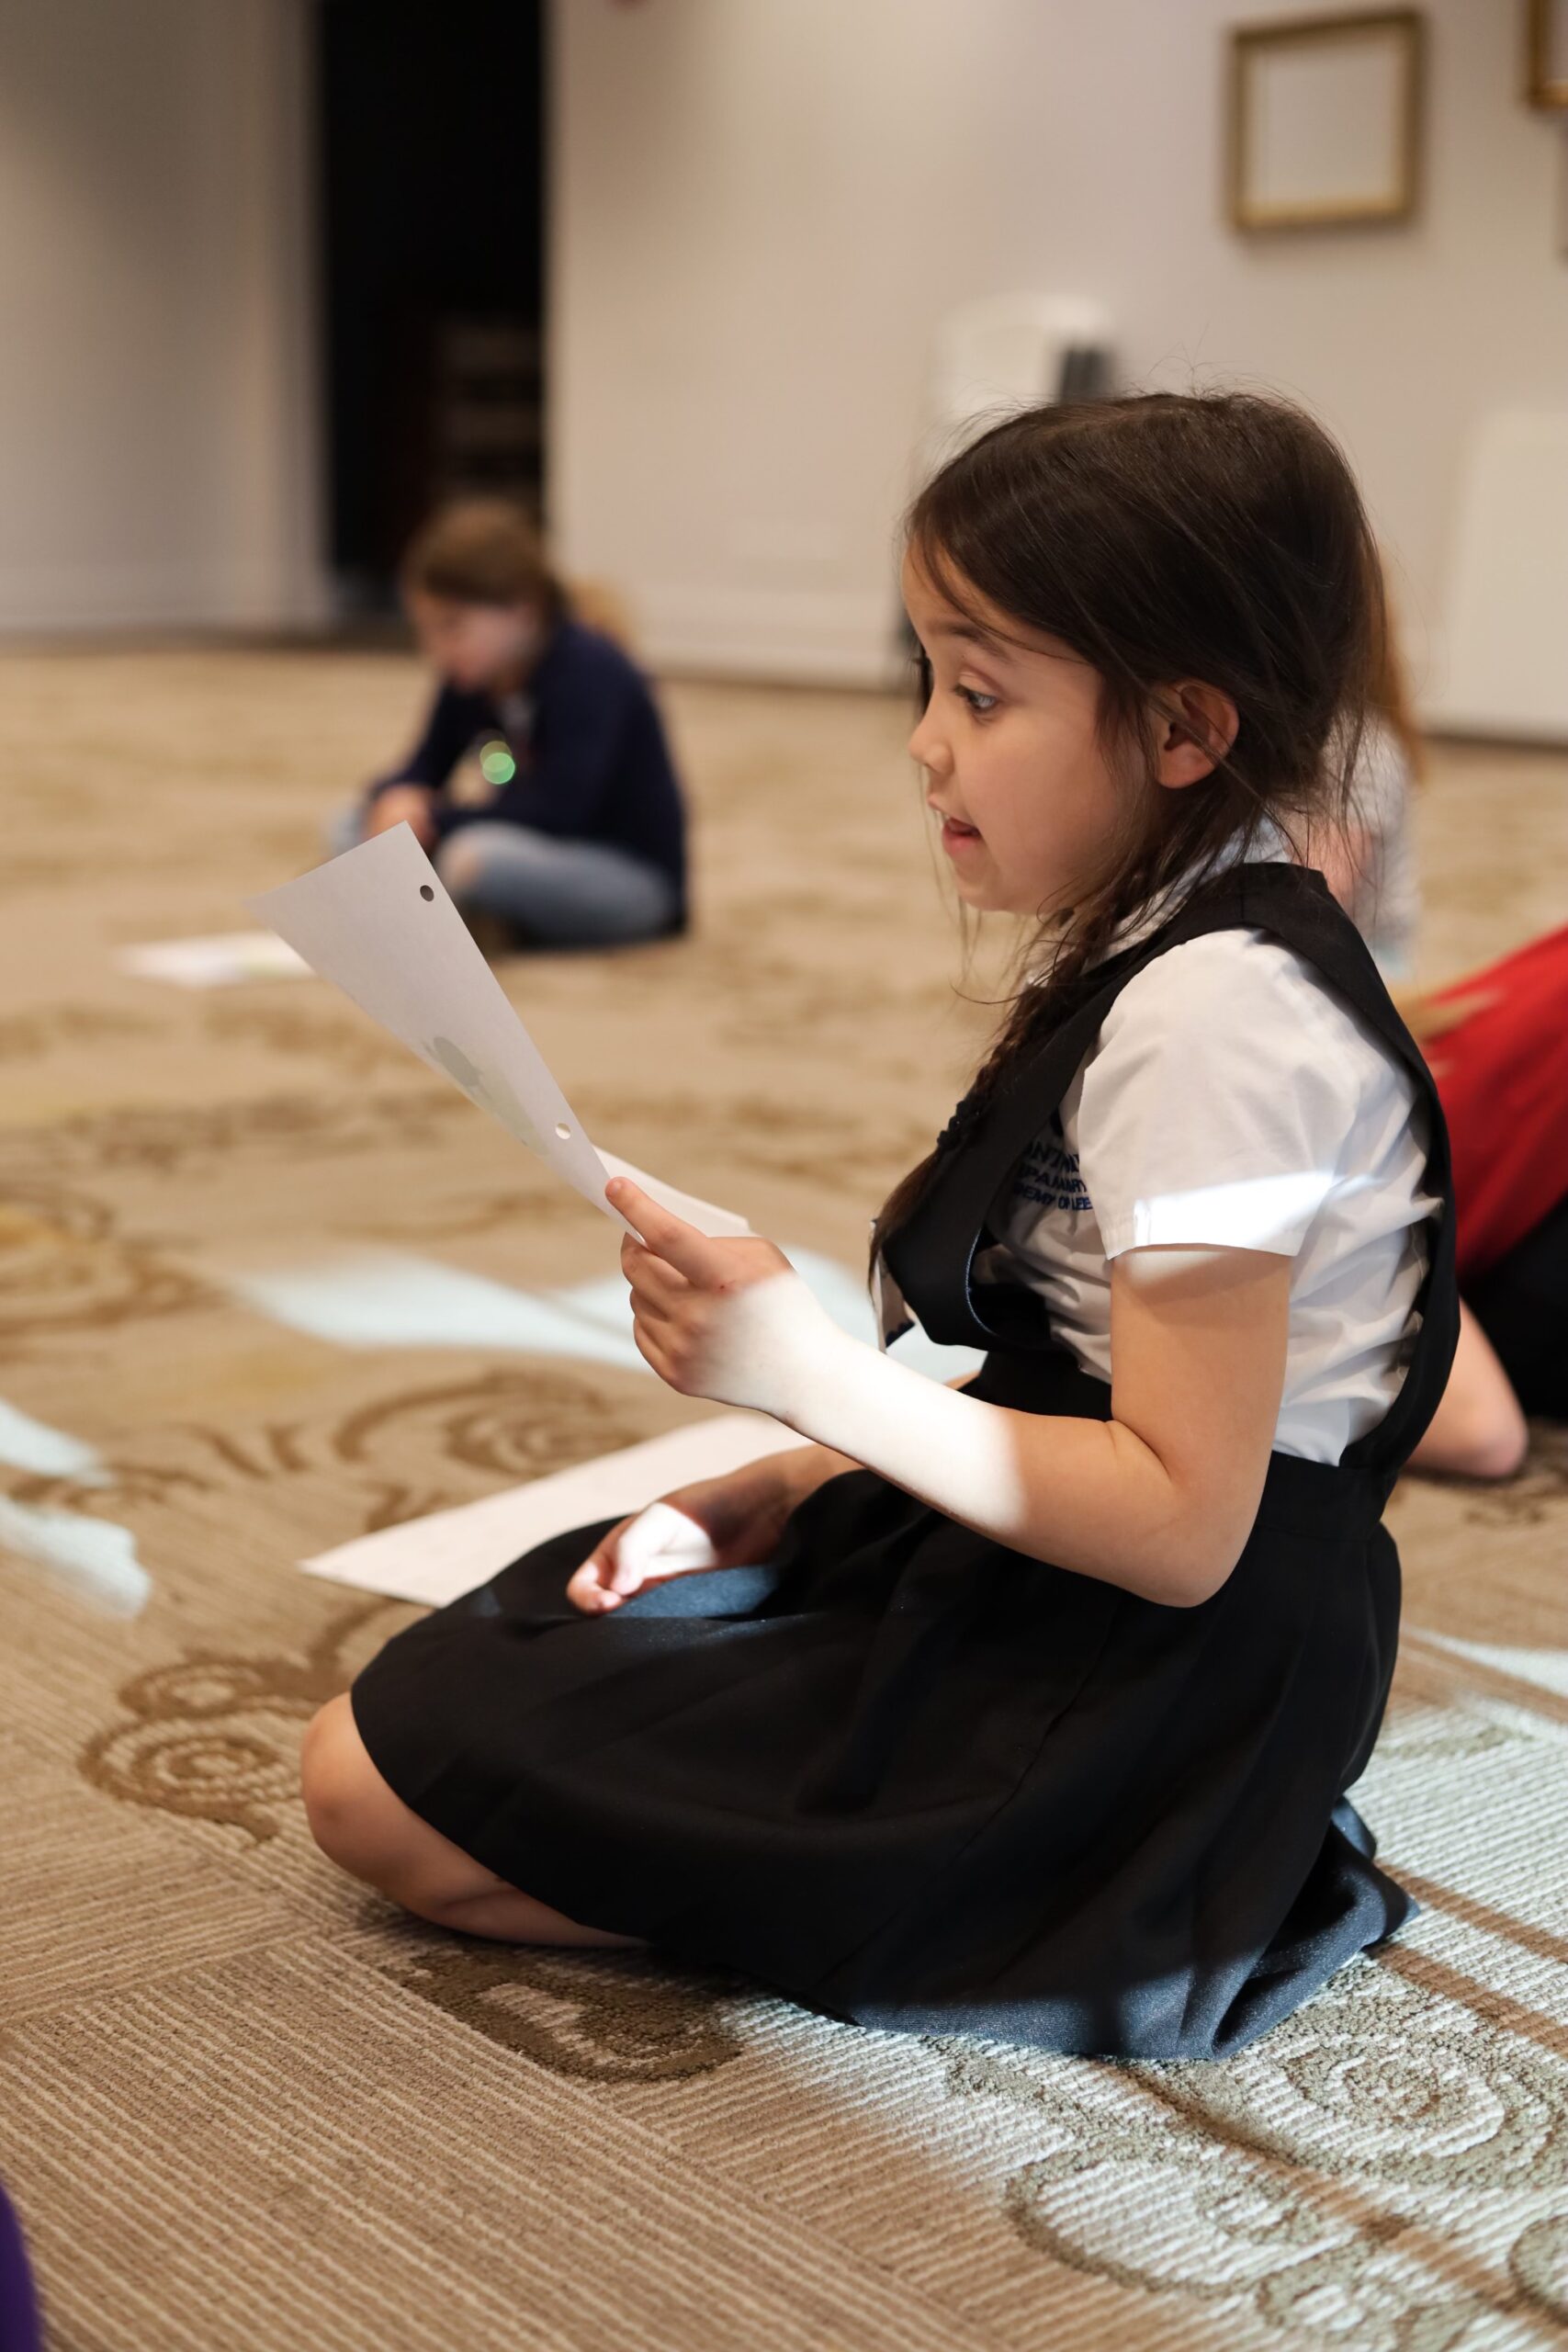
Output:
x,y
972,633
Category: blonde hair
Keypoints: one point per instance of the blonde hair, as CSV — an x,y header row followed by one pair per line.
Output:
x,y
482,551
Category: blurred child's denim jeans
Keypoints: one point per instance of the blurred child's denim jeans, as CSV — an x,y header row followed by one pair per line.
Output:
x,y
555,893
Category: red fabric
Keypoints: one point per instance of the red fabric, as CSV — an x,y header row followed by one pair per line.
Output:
x,y
1503,1078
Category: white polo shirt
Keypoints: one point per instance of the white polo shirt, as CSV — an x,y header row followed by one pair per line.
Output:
x,y
1231,1100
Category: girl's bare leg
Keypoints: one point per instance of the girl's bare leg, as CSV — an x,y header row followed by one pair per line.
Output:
x,y
357,1821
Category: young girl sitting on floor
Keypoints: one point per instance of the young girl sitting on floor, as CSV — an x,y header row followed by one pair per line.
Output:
x,y
571,831
1029,1709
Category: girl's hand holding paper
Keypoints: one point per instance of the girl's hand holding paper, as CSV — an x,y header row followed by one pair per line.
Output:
x,y
730,1320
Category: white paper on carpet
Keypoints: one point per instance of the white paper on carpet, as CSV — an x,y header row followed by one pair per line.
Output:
x,y
219,961
436,1559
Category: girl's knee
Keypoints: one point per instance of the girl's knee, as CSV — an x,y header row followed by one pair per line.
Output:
x,y
459,862
1475,1438
345,1797
1479,1429
1494,1447
363,1825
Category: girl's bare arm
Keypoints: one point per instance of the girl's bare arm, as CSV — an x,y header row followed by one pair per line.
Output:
x,y
1158,1499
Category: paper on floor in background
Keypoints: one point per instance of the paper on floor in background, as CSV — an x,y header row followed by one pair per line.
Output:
x,y
214,963
438,1558
378,923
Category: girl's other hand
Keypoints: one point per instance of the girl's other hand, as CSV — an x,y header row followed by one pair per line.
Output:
x,y
650,1547
405,804
732,1522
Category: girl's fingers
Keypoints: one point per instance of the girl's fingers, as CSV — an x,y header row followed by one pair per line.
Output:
x,y
587,1591
659,1359
661,1541
588,1586
652,1545
655,1313
651,1278
679,1245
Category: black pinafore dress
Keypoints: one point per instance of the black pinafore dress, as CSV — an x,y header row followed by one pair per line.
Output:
x,y
916,1780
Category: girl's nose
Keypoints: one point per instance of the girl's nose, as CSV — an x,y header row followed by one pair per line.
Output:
x,y
925,747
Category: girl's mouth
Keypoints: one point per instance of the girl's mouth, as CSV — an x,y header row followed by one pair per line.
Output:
x,y
957,837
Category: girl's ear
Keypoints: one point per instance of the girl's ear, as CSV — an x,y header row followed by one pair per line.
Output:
x,y
1198,725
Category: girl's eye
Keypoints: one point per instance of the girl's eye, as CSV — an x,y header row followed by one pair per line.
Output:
x,y
982,704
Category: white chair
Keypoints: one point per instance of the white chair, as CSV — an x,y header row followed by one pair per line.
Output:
x,y
1008,352
1506,623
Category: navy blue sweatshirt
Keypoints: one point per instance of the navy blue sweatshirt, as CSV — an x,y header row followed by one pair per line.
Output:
x,y
593,763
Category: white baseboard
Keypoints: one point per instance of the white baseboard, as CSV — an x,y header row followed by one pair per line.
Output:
x,y
1484,723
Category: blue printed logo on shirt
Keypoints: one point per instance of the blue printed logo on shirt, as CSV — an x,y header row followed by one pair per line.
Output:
x,y
1048,1174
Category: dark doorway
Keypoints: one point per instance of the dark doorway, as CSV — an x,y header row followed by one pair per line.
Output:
x,y
432,128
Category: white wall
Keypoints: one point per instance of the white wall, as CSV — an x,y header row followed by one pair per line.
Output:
x,y
762,207
157,441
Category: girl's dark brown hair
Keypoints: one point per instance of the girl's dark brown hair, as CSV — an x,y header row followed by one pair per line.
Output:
x,y
482,551
1167,538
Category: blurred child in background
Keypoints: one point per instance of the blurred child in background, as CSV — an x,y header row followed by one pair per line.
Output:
x,y
1497,1044
542,785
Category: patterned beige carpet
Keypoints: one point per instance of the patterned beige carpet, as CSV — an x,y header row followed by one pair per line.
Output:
x,y
243,2107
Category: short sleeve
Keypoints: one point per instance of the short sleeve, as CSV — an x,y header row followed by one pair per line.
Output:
x,y
1216,1105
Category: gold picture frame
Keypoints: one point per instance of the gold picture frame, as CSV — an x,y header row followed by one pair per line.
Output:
x,y
1324,121
1546,53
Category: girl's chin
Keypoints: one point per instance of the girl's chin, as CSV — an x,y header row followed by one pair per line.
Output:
x,y
982,893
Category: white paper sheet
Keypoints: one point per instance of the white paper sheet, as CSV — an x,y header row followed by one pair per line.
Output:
x,y
378,923
216,962
437,1558
716,1222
